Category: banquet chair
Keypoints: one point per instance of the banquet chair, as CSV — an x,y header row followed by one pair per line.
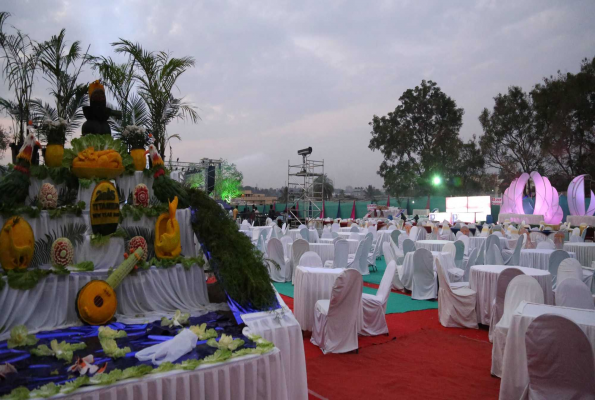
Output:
x,y
273,233
310,259
305,234
336,239
537,237
326,234
497,233
471,261
374,306
421,234
355,261
424,278
389,256
573,293
459,253
575,238
456,306
394,235
413,233
485,231
584,234
493,256
458,235
521,288
481,254
354,228
373,256
286,240
569,268
268,221
279,272
338,321
302,226
556,258
391,228
396,250
354,235
334,234
408,246
515,258
465,239
450,248
559,360
546,244
341,254
299,247
493,239
284,228
261,243
497,306
335,227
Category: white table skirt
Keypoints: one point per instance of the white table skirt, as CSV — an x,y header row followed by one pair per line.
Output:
x,y
432,245
517,218
311,285
51,304
347,235
246,378
312,235
576,220
127,183
585,252
407,272
538,258
285,332
476,242
515,374
326,251
484,278
353,243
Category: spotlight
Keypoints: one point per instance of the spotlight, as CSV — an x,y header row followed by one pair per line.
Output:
x,y
305,152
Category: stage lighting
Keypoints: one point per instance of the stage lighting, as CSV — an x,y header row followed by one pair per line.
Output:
x,y
436,180
305,152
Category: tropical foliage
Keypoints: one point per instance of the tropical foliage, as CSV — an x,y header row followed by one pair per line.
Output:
x,y
228,182
324,182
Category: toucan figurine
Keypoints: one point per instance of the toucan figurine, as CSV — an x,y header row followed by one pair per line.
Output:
x,y
14,187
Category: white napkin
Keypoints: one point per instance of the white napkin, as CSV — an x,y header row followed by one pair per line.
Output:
x,y
170,350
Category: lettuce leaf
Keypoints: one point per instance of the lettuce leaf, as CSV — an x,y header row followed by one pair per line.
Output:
x,y
19,337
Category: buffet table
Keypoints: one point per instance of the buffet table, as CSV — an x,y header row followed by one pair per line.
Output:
x,y
484,278
515,375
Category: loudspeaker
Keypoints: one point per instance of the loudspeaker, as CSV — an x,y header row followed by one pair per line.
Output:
x,y
210,179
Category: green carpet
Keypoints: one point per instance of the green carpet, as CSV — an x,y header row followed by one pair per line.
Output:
x,y
397,303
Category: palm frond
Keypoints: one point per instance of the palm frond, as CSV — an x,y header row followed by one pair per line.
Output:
x,y
148,234
74,232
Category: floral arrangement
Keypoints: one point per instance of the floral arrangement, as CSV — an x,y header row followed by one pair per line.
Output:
x,y
55,131
135,137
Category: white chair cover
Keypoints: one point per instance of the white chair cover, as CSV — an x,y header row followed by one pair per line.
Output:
x,y
310,259
569,268
354,228
559,360
424,278
305,234
298,248
374,306
546,244
465,240
413,233
284,228
276,254
575,239
493,256
456,307
336,227
576,231
326,234
574,293
502,283
360,260
450,248
338,321
286,240
341,255
521,288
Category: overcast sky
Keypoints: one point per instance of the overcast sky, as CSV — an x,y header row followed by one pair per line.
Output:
x,y
275,76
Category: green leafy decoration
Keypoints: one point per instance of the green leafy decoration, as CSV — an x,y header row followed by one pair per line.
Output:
x,y
75,232
27,279
189,365
202,332
84,266
74,209
61,350
106,379
136,372
20,393
105,332
58,175
49,390
226,342
99,240
137,212
98,142
219,356
164,367
111,349
147,233
73,385
19,337
178,319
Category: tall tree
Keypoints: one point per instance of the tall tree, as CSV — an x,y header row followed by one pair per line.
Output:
x,y
21,60
419,139
156,74
370,192
510,138
565,107
228,182
329,186
61,66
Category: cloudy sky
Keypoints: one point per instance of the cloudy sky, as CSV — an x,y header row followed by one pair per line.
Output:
x,y
276,76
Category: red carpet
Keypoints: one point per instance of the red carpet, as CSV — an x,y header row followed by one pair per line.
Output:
x,y
425,361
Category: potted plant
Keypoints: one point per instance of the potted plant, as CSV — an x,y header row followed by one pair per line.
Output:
x,y
136,138
55,134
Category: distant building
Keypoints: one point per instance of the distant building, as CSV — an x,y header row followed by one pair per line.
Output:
x,y
348,190
254,198
358,192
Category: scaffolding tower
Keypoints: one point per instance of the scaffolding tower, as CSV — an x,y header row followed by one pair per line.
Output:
x,y
303,190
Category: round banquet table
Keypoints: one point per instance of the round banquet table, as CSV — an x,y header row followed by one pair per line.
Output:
x,y
258,229
585,252
483,279
312,235
538,258
406,274
476,242
432,245
311,285
353,243
346,235
326,251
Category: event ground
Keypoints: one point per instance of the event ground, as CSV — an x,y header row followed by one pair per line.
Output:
x,y
419,359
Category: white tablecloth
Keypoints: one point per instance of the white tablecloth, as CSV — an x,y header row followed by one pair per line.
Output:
x,y
353,243
483,279
537,258
347,235
432,245
256,231
528,218
127,183
51,304
515,375
326,251
312,235
407,272
476,242
285,332
311,285
585,252
576,220
246,378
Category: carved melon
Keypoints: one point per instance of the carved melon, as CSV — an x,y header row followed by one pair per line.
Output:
x,y
105,208
138,242
62,253
17,244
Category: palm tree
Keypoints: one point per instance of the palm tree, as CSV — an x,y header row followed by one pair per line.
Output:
x,y
156,74
59,65
370,192
328,186
21,62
